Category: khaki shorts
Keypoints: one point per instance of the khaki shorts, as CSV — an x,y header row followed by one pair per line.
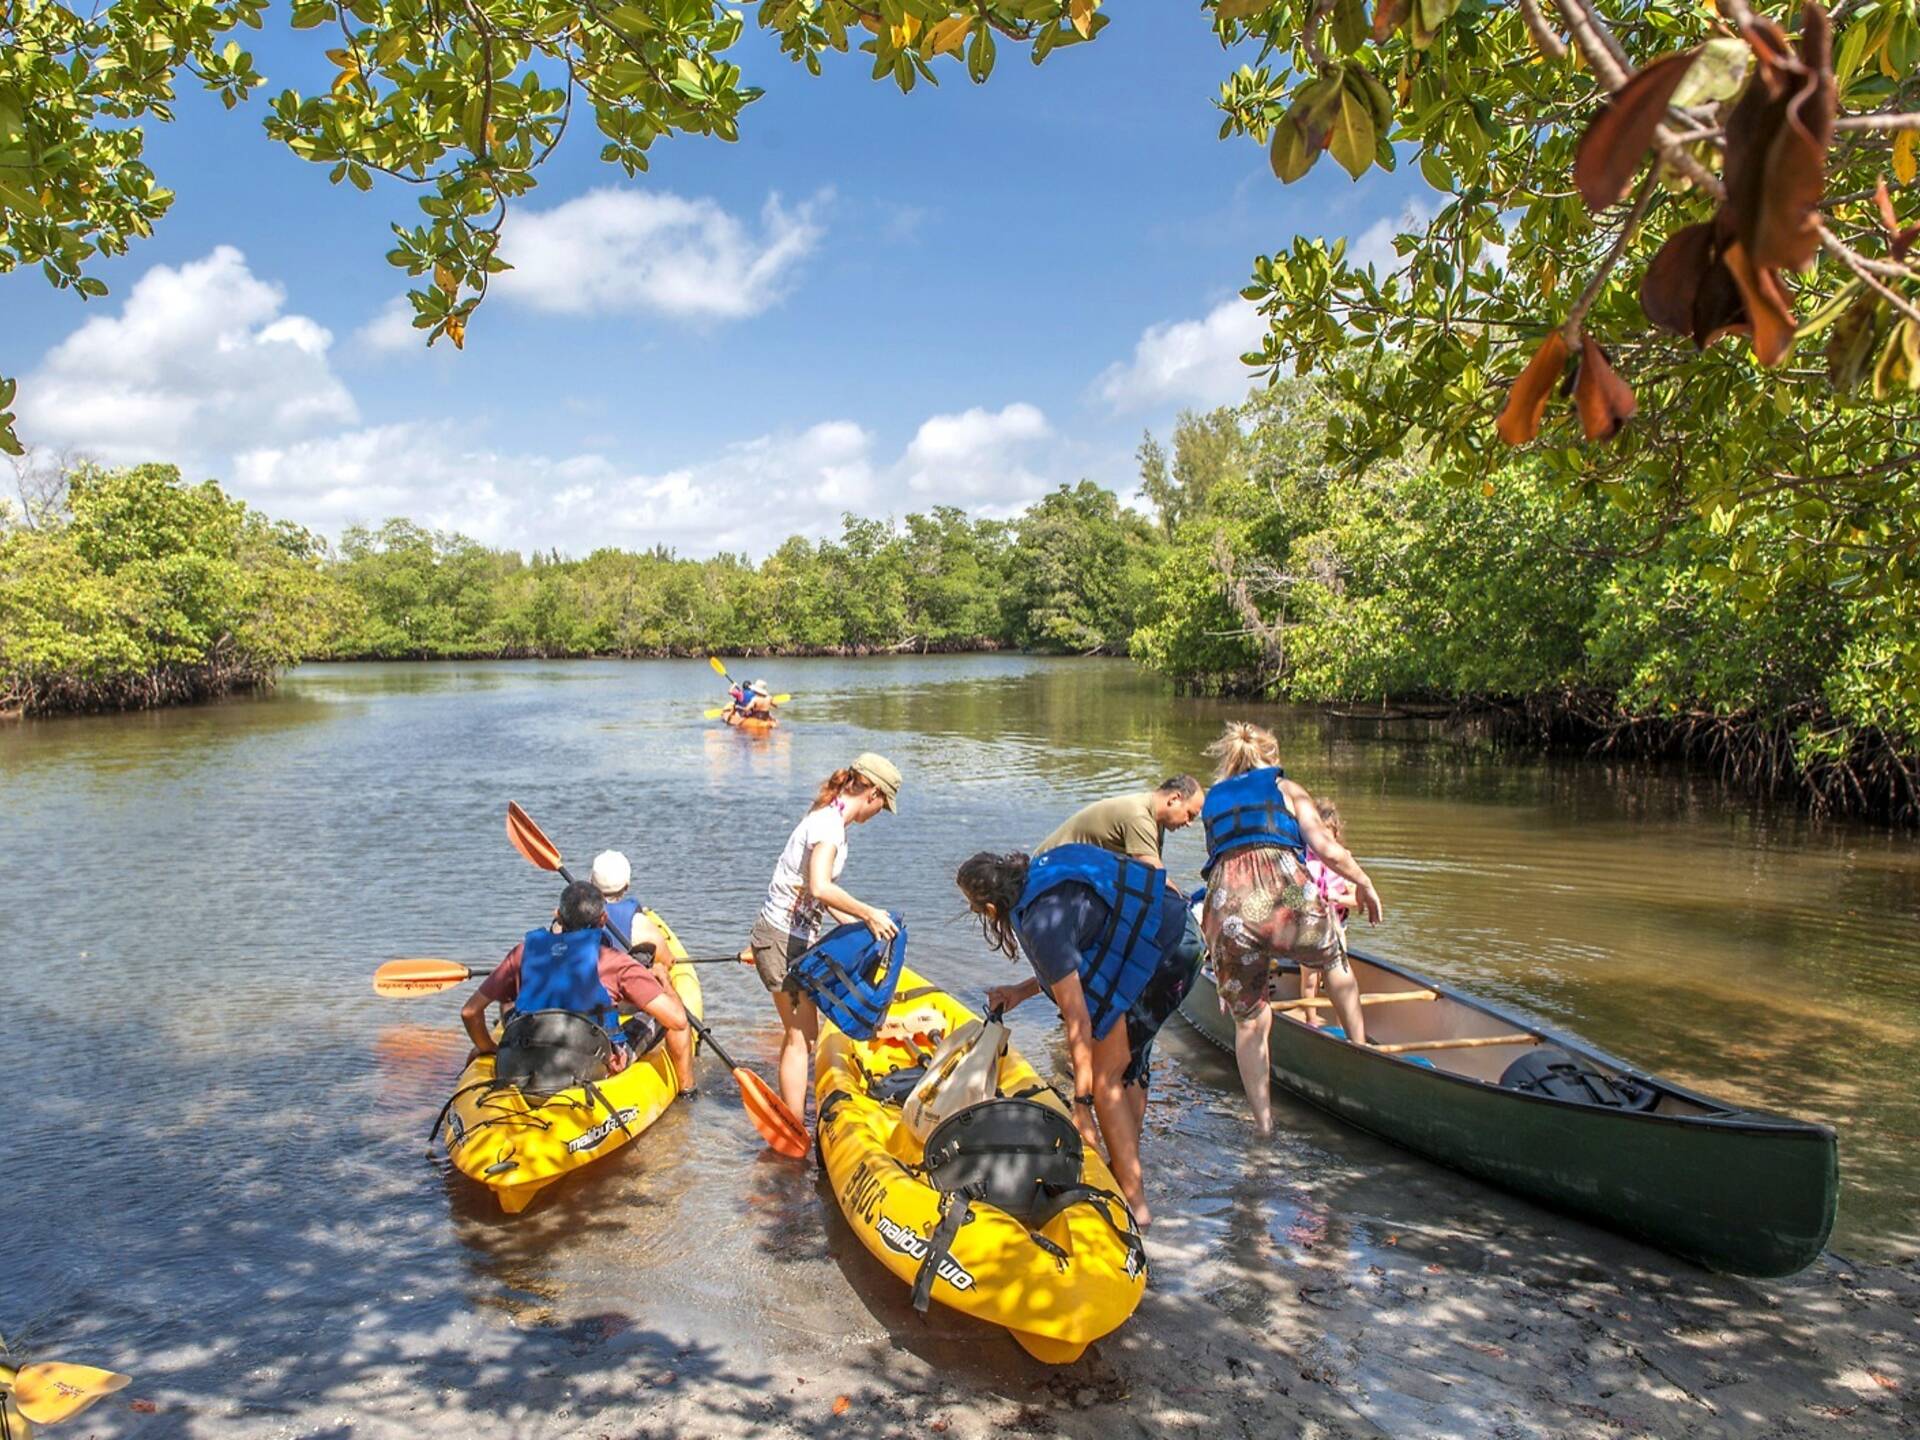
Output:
x,y
775,948
1262,909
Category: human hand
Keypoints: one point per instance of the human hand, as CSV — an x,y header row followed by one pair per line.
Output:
x,y
1369,899
882,926
1085,1122
1005,997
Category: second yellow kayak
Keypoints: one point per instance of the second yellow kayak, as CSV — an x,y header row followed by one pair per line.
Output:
x,y
1058,1288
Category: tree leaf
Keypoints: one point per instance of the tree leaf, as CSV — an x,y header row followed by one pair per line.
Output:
x,y
950,35
1769,309
1388,16
1081,14
1527,399
1350,28
1604,401
1717,73
1620,136
1353,139
1777,140
1906,156
1288,152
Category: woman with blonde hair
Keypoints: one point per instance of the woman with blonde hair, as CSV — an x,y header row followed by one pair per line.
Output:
x,y
1263,907
804,893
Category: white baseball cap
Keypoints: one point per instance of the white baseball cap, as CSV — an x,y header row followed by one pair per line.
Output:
x,y
611,872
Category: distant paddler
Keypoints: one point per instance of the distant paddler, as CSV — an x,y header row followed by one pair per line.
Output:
x,y
752,702
1263,907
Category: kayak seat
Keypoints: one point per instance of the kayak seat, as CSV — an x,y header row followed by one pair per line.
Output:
x,y
543,1052
1560,1075
895,1086
1006,1152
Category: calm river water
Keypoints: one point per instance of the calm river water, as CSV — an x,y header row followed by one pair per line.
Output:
x,y
215,1131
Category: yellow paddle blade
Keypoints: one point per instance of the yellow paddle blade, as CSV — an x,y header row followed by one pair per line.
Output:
x,y
529,839
50,1392
780,700
424,976
716,712
718,668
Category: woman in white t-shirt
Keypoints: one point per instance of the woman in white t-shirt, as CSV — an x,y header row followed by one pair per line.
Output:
x,y
804,896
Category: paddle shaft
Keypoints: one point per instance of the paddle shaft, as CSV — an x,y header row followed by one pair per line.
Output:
x,y
699,1026
1379,997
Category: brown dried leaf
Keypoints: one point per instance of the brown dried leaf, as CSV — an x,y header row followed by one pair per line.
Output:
x,y
1777,140
1388,16
1527,401
1900,237
1672,283
1769,310
1617,141
1604,400
841,1404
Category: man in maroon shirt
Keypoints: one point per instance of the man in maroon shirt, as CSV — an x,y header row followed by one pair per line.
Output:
x,y
626,983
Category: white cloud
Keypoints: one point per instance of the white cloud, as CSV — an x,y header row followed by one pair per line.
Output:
x,y
392,329
198,361
1189,362
974,457
635,251
748,496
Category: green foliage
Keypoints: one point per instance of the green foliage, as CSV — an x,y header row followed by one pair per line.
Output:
x,y
936,581
463,103
147,590
1313,583
1079,572
1803,475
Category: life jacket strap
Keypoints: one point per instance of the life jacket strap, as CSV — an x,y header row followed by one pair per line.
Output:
x,y
955,1211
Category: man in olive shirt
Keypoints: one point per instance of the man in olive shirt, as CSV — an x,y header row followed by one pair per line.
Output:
x,y
1136,824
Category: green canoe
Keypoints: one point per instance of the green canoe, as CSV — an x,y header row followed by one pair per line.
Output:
x,y
1736,1190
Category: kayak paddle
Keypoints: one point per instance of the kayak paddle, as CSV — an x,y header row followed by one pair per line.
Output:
x,y
50,1391
777,1125
427,974
719,710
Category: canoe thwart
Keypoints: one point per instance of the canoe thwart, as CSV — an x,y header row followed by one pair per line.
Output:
x,y
1468,1042
1380,997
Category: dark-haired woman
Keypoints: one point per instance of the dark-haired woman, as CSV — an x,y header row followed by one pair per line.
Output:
x,y
804,893
1107,939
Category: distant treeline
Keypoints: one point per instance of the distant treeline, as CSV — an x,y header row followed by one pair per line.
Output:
x,y
1261,569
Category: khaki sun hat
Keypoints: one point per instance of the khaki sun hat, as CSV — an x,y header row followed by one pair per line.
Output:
x,y
612,872
882,772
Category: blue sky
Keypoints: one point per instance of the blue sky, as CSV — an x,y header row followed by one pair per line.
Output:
x,y
873,302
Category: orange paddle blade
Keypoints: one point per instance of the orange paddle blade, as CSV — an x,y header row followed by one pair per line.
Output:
x,y
529,839
49,1392
777,1125
419,977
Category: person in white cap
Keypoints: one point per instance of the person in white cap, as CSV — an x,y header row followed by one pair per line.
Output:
x,y
631,928
753,703
804,894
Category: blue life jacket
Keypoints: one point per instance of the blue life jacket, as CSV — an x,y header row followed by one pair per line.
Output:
x,y
850,978
562,972
1249,810
1116,968
621,915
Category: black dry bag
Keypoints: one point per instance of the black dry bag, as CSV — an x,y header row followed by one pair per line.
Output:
x,y
1014,1154
1560,1075
543,1052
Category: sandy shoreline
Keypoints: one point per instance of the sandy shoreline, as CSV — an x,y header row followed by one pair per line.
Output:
x,y
1291,1296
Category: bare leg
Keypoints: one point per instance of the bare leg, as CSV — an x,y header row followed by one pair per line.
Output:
x,y
1310,990
1116,1115
1137,1106
1250,1050
801,1020
680,1050
1345,992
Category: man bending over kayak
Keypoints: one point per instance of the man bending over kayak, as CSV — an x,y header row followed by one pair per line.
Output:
x,y
569,965
1135,824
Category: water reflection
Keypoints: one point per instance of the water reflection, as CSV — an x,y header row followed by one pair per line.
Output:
x,y
209,890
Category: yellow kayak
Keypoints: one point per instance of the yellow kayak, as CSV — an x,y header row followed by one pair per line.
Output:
x,y
1078,1280
516,1148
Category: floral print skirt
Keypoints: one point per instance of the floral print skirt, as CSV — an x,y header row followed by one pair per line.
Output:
x,y
1263,908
